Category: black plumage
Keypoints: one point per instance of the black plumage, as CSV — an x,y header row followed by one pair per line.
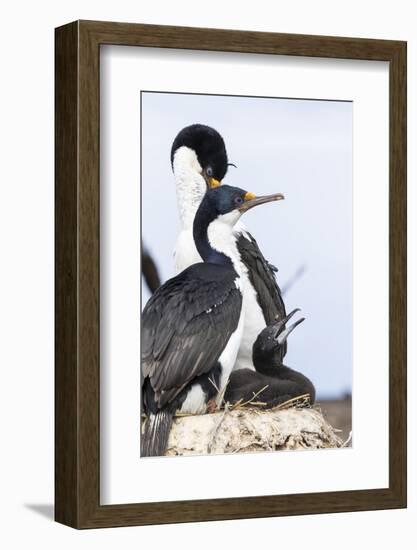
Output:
x,y
188,323
150,271
186,326
209,147
262,277
272,383
210,151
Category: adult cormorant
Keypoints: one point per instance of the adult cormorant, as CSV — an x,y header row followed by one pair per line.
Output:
x,y
192,325
199,161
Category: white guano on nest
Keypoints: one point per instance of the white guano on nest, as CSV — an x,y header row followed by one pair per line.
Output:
x,y
245,427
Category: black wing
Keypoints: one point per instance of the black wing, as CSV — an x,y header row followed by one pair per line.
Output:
x,y
262,277
185,327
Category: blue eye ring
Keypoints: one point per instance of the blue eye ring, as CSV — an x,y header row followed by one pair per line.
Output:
x,y
238,200
209,171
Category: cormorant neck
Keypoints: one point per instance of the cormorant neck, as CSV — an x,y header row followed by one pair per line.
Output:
x,y
269,366
190,185
268,369
213,239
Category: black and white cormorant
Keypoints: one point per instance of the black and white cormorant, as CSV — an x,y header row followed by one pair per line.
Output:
x,y
273,383
199,160
192,325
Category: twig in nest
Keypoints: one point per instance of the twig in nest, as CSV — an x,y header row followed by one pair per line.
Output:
x,y
214,384
303,400
239,404
216,429
220,393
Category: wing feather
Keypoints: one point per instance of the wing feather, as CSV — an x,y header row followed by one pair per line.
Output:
x,y
185,327
262,276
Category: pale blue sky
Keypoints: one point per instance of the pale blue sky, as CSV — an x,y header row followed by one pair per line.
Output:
x,y
302,148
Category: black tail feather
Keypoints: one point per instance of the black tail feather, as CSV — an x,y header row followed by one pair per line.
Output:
x,y
154,439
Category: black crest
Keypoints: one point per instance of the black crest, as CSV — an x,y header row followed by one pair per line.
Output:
x,y
208,145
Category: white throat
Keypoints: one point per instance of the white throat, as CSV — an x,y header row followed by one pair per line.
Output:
x,y
221,237
190,185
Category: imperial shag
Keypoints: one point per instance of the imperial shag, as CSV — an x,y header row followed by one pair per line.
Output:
x,y
192,325
199,160
272,383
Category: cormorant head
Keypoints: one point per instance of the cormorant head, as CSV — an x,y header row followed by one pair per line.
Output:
x,y
218,212
269,348
201,149
229,203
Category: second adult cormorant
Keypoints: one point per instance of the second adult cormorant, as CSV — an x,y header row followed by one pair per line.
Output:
x,y
199,161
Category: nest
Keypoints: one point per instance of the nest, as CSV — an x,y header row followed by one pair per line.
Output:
x,y
246,427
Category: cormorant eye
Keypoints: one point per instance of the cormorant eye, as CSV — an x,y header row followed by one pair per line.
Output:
x,y
238,200
209,171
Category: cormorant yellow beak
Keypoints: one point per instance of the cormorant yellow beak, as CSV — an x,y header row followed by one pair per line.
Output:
x,y
249,196
213,183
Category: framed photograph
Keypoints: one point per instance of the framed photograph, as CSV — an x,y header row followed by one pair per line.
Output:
x,y
230,274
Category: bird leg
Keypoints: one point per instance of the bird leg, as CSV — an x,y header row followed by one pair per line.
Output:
x,y
211,406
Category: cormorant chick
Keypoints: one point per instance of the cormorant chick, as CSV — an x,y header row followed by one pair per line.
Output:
x,y
280,383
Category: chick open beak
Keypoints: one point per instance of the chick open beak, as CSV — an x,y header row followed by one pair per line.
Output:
x,y
252,200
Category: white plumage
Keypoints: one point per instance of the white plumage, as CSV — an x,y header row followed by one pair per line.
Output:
x,y
191,187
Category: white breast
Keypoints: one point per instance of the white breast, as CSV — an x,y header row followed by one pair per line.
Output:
x,y
254,324
195,402
228,358
186,254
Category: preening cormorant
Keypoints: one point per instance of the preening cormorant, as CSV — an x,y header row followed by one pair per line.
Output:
x,y
273,383
199,160
192,325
